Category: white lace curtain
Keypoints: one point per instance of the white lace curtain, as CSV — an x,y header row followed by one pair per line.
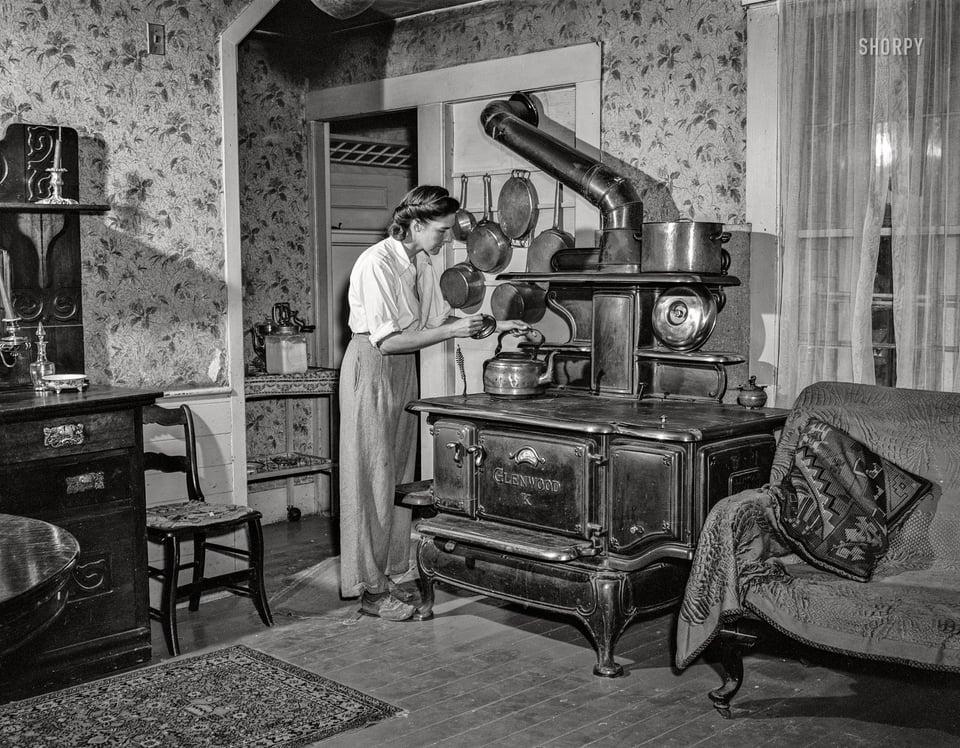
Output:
x,y
867,121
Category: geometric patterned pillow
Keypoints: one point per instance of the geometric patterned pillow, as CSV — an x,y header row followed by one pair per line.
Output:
x,y
836,501
903,491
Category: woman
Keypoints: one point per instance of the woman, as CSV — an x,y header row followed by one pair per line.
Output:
x,y
396,309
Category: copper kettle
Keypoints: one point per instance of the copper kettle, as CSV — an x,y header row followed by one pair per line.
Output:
x,y
517,373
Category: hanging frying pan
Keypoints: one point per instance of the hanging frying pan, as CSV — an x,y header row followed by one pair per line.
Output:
x,y
517,206
547,243
488,248
464,220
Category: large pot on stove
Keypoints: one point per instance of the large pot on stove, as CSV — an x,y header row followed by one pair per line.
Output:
x,y
684,247
518,373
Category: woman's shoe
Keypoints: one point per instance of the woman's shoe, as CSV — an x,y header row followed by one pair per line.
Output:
x,y
386,606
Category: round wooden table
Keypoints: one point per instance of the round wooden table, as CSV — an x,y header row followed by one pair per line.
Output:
x,y
36,563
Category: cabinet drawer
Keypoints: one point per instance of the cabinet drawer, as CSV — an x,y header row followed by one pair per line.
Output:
x,y
66,435
51,488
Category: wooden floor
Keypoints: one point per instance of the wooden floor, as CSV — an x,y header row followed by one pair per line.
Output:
x,y
487,674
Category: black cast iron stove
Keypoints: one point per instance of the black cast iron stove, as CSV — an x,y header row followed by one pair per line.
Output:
x,y
588,500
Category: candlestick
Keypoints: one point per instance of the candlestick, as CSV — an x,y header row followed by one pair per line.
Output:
x,y
8,312
56,148
56,177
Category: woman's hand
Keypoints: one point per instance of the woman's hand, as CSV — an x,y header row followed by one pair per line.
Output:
x,y
515,326
464,327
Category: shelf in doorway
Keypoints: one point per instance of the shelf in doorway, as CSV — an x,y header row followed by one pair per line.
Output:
x,y
316,381
286,465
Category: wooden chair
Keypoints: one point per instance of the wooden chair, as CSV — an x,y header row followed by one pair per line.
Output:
x,y
196,520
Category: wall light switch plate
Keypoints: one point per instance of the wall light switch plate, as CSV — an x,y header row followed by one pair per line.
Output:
x,y
156,39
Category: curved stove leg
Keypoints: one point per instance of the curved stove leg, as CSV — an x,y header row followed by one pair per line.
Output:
x,y
424,611
606,623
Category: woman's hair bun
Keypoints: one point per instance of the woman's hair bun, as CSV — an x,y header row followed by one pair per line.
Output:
x,y
423,203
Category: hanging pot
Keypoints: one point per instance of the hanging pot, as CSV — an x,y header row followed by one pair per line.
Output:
x,y
518,205
464,220
462,285
518,300
517,373
547,243
488,248
684,317
684,247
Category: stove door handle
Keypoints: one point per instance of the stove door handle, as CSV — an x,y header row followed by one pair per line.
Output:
x,y
479,454
457,448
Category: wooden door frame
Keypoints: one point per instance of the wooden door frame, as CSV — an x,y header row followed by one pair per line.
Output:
x,y
230,40
431,93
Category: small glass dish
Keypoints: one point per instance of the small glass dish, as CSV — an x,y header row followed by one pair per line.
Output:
x,y
59,382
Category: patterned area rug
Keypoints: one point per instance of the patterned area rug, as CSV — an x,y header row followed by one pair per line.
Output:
x,y
235,696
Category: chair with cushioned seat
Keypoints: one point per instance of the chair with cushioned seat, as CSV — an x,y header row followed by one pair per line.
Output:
x,y
195,520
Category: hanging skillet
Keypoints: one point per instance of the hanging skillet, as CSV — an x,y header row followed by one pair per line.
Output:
x,y
488,248
547,243
464,220
517,206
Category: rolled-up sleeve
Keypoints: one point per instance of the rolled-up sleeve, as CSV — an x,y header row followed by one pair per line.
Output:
x,y
379,289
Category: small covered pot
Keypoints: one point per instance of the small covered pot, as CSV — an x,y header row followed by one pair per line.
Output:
x,y
517,373
752,395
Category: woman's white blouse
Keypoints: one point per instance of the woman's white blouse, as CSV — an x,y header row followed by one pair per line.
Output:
x,y
389,293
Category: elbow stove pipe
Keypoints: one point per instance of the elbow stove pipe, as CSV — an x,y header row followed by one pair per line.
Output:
x,y
514,123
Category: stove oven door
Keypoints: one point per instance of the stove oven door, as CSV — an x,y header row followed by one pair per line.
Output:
x,y
645,489
454,467
541,481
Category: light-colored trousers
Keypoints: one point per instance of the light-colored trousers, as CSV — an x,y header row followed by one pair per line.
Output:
x,y
378,449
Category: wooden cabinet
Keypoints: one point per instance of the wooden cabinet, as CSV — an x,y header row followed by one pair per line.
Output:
x,y
76,460
40,245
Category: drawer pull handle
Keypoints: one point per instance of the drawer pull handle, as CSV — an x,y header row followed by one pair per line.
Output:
x,y
67,435
91,575
457,448
85,482
479,454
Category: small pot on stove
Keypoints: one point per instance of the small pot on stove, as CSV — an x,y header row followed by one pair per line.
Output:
x,y
517,373
752,395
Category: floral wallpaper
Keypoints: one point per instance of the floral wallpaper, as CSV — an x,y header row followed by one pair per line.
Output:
x,y
275,231
153,292
154,298
673,84
672,121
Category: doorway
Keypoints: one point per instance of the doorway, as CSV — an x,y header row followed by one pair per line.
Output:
x,y
373,164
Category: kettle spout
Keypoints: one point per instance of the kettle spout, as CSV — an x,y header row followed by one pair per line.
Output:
x,y
547,377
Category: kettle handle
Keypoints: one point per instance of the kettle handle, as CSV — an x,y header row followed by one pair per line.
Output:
x,y
502,335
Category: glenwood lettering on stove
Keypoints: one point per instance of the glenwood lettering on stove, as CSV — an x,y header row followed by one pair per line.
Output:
x,y
526,481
